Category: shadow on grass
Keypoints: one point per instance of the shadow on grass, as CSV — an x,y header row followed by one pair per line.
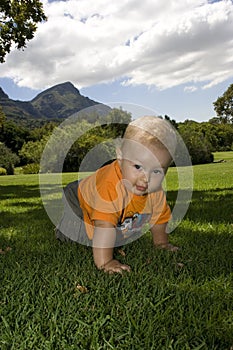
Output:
x,y
25,191
208,206
204,249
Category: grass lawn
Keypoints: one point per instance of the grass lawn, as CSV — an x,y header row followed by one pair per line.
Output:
x,y
53,298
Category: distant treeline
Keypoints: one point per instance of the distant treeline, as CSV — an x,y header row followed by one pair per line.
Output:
x,y
23,146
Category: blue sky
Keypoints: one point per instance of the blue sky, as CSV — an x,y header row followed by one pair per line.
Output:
x,y
173,57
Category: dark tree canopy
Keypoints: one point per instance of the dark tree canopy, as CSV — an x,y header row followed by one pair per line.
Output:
x,y
2,118
7,159
223,106
18,23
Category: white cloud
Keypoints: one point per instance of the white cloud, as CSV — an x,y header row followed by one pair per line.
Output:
x,y
156,43
191,88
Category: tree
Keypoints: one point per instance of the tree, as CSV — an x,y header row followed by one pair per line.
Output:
x,y
14,136
93,145
91,150
18,23
218,135
196,142
2,119
32,150
223,106
118,119
7,159
171,121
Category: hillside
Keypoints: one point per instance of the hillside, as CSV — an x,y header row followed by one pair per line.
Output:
x,y
55,103
61,101
18,111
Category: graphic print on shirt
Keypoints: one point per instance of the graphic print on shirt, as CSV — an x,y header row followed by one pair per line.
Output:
x,y
134,223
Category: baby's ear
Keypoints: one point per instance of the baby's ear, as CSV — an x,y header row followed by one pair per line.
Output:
x,y
118,146
118,154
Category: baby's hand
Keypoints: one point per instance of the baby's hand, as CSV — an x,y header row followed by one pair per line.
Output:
x,y
114,266
168,246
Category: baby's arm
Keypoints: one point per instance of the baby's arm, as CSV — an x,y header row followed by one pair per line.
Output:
x,y
160,238
103,243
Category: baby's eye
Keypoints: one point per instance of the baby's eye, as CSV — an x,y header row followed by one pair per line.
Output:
x,y
158,171
137,166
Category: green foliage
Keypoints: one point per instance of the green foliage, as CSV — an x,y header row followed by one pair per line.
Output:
x,y
60,149
203,138
3,171
118,120
7,159
197,144
37,133
84,154
224,106
172,121
86,136
2,119
32,168
96,136
118,116
31,151
14,136
18,23
219,136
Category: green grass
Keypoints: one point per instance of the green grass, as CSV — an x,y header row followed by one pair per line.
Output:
x,y
169,301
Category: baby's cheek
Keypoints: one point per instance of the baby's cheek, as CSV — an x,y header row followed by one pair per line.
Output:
x,y
127,184
156,184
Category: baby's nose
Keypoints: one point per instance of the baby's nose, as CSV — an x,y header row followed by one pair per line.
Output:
x,y
145,176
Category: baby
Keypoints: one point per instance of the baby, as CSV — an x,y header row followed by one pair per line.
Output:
x,y
124,199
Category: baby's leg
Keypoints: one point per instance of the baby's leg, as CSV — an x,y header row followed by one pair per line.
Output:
x,y
71,226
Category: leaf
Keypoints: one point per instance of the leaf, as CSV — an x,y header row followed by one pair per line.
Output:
x,y
180,264
82,289
8,249
122,252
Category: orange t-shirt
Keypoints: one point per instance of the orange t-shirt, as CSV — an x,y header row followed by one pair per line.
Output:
x,y
103,196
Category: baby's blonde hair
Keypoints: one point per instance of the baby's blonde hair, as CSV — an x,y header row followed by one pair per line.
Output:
x,y
152,131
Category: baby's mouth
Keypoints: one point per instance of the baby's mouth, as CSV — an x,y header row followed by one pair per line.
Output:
x,y
141,188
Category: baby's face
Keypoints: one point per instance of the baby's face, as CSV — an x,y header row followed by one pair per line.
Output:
x,y
143,169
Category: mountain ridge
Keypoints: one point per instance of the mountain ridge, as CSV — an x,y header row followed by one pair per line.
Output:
x,y
53,104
